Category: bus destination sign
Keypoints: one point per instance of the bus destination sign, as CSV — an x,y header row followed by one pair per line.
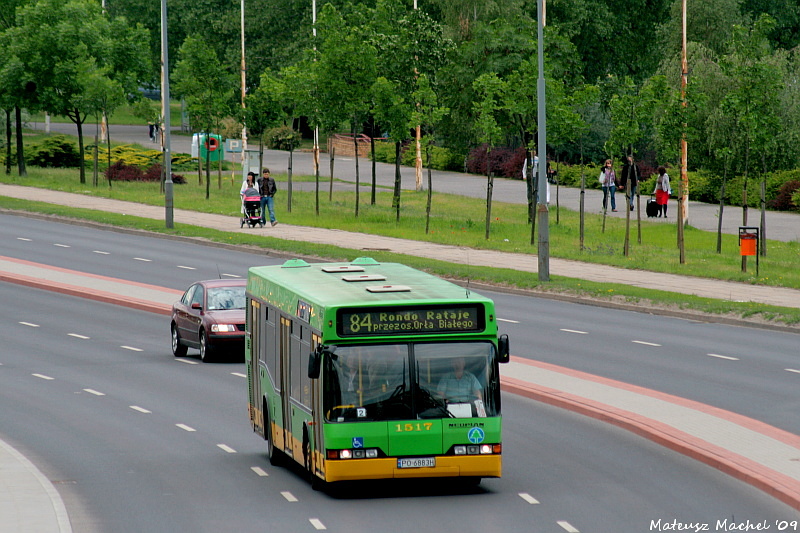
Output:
x,y
375,321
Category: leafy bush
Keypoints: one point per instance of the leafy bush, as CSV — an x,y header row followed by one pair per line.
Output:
x,y
54,152
283,138
446,159
154,174
783,201
121,171
504,161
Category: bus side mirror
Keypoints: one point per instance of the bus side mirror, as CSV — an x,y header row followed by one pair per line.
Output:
x,y
503,355
314,359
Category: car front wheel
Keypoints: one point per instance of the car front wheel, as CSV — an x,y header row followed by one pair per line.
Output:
x,y
206,351
178,349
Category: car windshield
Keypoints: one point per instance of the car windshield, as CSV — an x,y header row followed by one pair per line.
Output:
x,y
411,381
226,298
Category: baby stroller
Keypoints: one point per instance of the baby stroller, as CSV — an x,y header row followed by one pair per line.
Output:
x,y
252,208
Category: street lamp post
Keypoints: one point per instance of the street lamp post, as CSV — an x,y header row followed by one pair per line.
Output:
x,y
541,203
168,191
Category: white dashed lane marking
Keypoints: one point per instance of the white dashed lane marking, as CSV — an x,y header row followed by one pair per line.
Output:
x,y
30,324
289,496
77,336
186,267
42,376
101,252
187,361
131,348
259,471
142,259
185,427
62,245
507,320
646,343
226,448
567,526
575,331
317,523
528,498
140,409
718,356
92,391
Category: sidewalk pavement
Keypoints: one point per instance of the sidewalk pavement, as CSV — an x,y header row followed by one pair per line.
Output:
x,y
749,450
709,288
754,452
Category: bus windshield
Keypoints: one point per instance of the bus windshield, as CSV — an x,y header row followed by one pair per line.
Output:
x,y
374,382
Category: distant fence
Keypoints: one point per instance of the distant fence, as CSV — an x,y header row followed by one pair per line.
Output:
x,y
343,143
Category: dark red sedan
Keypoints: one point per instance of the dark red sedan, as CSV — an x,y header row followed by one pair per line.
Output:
x,y
210,318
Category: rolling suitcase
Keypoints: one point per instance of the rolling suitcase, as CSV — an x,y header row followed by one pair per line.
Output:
x,y
651,208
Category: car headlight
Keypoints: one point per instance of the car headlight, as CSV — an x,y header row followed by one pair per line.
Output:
x,y
219,328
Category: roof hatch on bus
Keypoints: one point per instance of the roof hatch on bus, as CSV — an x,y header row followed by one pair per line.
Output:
x,y
343,268
365,277
389,288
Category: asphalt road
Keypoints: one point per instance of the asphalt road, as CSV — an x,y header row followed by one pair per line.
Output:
x,y
140,441
779,226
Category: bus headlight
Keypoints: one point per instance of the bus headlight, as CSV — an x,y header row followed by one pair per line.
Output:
x,y
460,450
486,448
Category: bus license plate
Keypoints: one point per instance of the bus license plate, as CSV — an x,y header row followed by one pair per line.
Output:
x,y
416,462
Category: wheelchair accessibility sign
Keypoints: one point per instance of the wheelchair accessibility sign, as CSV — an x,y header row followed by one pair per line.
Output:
x,y
358,442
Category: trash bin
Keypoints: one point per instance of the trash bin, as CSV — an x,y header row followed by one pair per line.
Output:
x,y
748,241
212,144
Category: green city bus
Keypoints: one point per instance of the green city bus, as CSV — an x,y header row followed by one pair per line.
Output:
x,y
368,370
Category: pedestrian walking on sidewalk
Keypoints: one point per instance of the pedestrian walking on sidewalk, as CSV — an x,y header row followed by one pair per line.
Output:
x,y
608,180
267,188
630,180
662,191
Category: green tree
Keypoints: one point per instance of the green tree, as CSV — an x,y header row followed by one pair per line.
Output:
x,y
346,71
208,88
487,108
427,113
393,112
68,50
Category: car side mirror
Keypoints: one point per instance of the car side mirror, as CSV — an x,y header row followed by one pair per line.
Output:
x,y
196,305
503,354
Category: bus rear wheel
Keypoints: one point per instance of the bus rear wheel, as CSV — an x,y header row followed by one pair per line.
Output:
x,y
275,455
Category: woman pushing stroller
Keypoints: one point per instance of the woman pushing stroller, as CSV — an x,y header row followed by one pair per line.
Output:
x,y
251,202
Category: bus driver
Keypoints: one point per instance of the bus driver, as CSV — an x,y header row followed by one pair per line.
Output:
x,y
459,386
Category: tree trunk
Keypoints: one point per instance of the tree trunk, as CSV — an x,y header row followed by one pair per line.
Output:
x,y
81,148
289,184
355,146
208,166
489,187
583,194
8,141
372,148
721,207
330,183
20,147
430,189
396,197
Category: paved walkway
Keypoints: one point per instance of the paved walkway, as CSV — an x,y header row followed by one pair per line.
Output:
x,y
749,450
722,290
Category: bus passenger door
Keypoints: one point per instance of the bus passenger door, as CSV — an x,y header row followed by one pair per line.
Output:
x,y
254,347
284,348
